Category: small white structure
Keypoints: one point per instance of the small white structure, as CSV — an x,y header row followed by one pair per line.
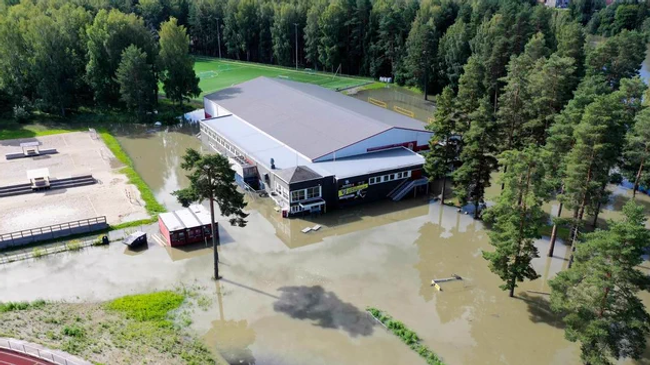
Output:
x,y
30,148
39,178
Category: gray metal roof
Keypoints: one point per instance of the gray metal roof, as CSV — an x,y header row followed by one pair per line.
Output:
x,y
310,119
297,174
258,146
369,163
262,148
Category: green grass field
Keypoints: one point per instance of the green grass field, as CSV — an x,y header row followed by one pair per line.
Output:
x,y
216,74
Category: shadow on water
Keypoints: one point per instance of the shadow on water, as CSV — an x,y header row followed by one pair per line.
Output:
x,y
324,308
540,311
250,288
136,250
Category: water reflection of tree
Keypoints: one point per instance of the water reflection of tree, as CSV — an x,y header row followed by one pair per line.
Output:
x,y
445,247
230,338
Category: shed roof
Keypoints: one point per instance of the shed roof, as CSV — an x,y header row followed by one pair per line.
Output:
x,y
308,118
194,216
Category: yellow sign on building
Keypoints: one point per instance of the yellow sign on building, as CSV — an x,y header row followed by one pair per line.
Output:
x,y
352,190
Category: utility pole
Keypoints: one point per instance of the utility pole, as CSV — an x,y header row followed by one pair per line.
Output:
x,y
218,37
296,25
426,73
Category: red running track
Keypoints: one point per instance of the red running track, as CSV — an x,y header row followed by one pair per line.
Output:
x,y
14,358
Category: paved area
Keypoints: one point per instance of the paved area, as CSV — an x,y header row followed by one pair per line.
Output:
x,y
79,154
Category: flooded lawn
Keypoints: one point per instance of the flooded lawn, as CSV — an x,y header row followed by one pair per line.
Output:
x,y
402,98
294,298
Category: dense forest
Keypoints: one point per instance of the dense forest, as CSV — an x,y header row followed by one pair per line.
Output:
x,y
50,56
550,98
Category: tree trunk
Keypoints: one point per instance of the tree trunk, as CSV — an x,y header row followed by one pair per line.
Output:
x,y
551,247
580,211
476,204
522,204
503,184
442,194
214,240
574,234
602,191
595,223
638,177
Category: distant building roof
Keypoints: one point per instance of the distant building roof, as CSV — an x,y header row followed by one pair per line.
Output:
x,y
312,120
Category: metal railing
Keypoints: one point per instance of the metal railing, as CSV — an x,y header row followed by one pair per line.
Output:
x,y
37,352
38,252
49,232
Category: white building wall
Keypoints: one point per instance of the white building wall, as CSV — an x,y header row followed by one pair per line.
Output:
x,y
388,139
213,109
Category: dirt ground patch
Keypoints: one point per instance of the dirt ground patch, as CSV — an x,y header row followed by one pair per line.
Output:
x,y
79,154
103,336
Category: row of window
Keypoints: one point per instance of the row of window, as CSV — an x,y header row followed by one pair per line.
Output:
x,y
390,177
282,190
304,194
215,137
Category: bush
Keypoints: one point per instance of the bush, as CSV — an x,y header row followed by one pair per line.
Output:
x,y
74,245
98,241
20,306
73,331
406,335
13,306
21,114
38,252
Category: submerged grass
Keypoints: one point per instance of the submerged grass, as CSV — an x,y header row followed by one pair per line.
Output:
x,y
151,205
406,335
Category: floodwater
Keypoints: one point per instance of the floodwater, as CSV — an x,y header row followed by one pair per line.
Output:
x,y
292,298
157,155
396,96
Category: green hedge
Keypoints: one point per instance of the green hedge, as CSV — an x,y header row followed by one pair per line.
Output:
x,y
406,335
153,207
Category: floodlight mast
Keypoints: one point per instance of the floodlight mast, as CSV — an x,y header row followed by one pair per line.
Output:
x,y
218,37
296,26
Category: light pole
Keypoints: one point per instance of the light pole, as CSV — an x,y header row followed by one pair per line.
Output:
x,y
426,73
218,37
296,26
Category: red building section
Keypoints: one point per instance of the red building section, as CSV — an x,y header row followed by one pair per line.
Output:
x,y
186,226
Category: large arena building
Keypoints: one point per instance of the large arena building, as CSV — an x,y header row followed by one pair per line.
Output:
x,y
314,149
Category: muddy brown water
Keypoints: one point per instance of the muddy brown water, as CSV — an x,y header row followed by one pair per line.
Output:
x,y
294,298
